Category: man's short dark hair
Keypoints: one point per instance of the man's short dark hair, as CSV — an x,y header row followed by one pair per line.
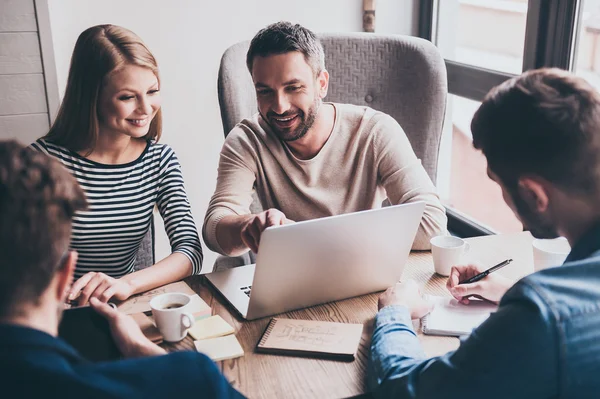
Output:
x,y
284,37
545,122
38,198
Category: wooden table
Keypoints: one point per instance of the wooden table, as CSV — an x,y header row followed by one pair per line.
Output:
x,y
269,376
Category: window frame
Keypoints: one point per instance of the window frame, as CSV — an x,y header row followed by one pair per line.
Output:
x,y
550,38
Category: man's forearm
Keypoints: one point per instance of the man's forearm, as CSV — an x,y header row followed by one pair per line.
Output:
x,y
229,234
433,223
394,347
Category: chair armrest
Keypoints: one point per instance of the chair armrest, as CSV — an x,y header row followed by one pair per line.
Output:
x,y
461,226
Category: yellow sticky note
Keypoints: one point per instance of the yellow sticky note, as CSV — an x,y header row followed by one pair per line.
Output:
x,y
211,327
221,348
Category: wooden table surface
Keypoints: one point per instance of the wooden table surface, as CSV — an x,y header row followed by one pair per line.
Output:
x,y
270,376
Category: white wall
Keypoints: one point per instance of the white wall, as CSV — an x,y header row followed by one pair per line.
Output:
x,y
188,37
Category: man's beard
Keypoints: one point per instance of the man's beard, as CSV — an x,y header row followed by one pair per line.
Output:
x,y
538,227
306,122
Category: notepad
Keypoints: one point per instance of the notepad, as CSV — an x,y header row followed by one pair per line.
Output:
x,y
141,303
200,309
221,348
311,338
211,327
450,317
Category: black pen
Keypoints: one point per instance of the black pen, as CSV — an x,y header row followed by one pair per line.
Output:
x,y
485,273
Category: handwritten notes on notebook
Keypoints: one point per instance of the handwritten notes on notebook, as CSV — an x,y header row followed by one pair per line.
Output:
x,y
141,303
311,338
450,317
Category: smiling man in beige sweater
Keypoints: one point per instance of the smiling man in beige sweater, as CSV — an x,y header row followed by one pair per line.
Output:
x,y
308,159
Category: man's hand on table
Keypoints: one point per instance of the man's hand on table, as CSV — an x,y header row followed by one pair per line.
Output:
x,y
406,294
127,334
493,287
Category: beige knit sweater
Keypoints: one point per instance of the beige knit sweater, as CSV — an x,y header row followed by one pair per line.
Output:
x,y
366,158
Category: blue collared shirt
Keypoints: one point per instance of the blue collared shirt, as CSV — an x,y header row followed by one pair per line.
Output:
x,y
543,342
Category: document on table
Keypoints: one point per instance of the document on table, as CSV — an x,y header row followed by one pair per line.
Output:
x,y
450,317
141,302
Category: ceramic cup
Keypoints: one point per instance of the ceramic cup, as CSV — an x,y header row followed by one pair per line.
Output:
x,y
172,315
447,251
549,253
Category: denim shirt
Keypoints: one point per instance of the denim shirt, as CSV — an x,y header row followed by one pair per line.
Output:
x,y
543,342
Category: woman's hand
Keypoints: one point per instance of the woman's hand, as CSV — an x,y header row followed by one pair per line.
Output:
x,y
101,286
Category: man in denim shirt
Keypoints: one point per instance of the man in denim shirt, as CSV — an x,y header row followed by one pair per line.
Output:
x,y
540,133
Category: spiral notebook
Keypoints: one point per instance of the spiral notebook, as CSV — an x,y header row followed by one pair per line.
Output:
x,y
450,317
311,338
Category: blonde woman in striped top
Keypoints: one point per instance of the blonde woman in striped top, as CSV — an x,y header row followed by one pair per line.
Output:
x,y
106,133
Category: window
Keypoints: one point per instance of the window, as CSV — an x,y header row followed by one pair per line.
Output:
x,y
587,58
484,33
470,190
485,42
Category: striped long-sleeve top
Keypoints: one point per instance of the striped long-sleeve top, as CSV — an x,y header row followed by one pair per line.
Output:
x,y
121,199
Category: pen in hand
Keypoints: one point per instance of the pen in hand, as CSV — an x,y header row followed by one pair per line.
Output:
x,y
485,273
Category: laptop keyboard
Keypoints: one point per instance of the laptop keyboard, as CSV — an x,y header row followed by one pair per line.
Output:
x,y
246,290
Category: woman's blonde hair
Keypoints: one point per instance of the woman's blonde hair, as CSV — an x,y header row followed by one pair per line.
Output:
x,y
99,51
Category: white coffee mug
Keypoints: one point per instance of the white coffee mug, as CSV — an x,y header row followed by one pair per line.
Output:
x,y
549,253
447,252
172,315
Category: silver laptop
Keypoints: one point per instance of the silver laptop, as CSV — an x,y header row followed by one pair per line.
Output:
x,y
322,260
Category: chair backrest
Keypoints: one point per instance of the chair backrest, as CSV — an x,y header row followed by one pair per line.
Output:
x,y
402,76
145,254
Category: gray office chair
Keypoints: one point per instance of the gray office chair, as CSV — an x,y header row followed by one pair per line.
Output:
x,y
402,76
145,255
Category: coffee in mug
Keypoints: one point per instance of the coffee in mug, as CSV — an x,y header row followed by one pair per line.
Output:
x,y
172,306
172,314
